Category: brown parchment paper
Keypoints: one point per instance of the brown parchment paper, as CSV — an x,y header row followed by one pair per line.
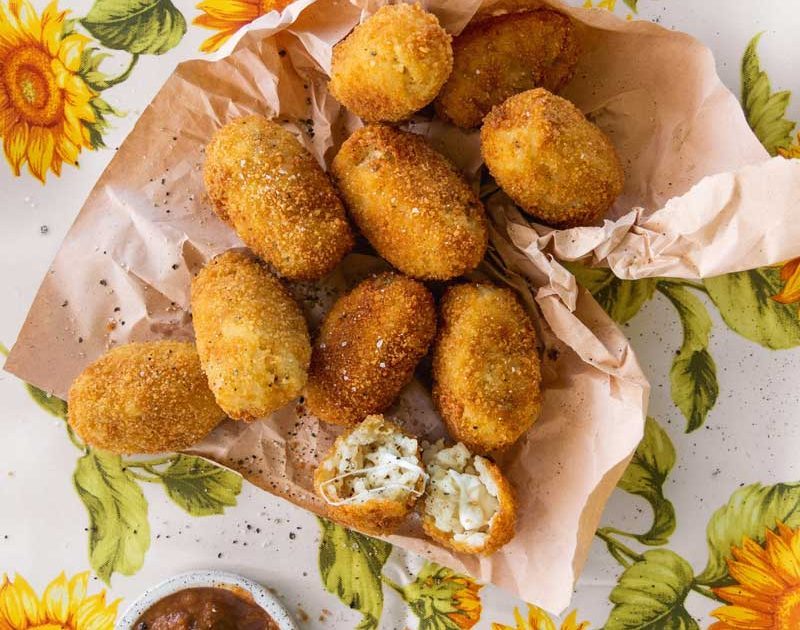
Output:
x,y
124,270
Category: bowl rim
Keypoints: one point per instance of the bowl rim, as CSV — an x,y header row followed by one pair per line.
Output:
x,y
205,578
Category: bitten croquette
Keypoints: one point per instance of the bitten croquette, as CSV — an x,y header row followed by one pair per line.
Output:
x,y
411,203
558,166
391,65
486,367
368,346
143,398
503,55
251,335
272,191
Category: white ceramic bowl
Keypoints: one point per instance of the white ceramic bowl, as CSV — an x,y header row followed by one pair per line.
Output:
x,y
195,579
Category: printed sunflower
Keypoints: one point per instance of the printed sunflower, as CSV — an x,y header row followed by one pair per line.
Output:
x,y
790,276
538,619
64,604
47,109
767,592
228,16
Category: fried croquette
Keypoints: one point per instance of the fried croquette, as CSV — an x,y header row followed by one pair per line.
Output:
x,y
411,203
272,191
546,156
143,398
368,346
252,337
469,505
372,477
502,56
391,65
486,368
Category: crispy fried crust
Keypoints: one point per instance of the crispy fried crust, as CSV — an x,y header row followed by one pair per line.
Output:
x,y
486,368
391,65
501,529
280,202
368,347
252,337
411,203
143,398
548,158
380,516
504,55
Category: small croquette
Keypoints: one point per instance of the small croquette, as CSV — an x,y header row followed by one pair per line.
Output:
x,y
486,367
558,166
372,477
368,346
143,398
272,191
391,65
251,335
503,55
411,203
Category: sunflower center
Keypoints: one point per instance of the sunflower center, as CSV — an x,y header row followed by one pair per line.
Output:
x,y
32,86
787,614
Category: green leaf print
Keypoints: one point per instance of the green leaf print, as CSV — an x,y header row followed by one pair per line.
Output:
x,y
764,109
645,477
650,594
149,27
119,534
744,301
350,565
441,598
199,486
750,512
621,299
694,374
632,4
51,404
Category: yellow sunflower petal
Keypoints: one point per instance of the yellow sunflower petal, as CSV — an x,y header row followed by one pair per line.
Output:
x,y
215,42
73,129
77,590
538,619
741,596
753,554
209,21
19,604
8,114
740,617
93,614
756,579
232,10
52,27
27,18
70,51
790,274
9,35
55,164
571,622
56,598
15,144
67,150
41,147
786,564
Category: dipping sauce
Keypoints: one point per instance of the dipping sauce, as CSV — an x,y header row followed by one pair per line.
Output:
x,y
206,608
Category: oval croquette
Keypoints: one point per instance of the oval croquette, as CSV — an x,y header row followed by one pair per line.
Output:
x,y
391,65
486,368
143,398
273,192
251,335
546,156
411,203
368,346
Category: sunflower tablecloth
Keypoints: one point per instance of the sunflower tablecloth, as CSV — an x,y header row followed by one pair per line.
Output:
x,y
702,532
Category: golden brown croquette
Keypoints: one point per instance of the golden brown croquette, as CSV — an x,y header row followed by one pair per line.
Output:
x,y
391,65
273,192
486,368
143,398
503,55
546,156
372,477
469,504
252,337
411,203
368,346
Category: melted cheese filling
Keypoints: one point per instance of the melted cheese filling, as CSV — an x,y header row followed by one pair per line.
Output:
x,y
374,461
462,496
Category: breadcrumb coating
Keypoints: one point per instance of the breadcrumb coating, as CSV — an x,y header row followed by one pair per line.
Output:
x,y
266,185
251,335
486,367
411,203
368,346
143,398
546,156
504,55
391,65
